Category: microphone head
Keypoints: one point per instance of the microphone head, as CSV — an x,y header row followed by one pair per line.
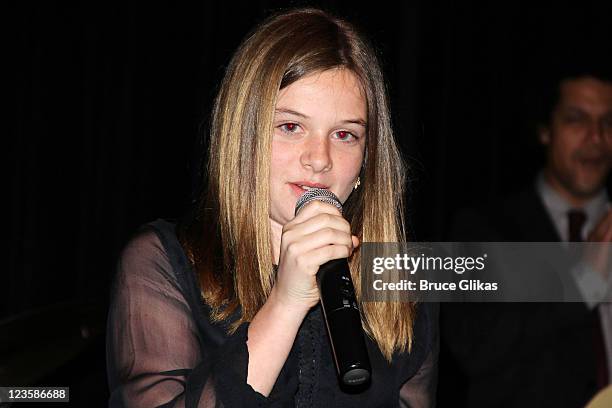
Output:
x,y
319,194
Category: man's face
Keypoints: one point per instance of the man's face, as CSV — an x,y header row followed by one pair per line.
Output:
x,y
579,137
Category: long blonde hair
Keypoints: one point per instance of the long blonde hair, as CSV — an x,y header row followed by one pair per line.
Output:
x,y
228,240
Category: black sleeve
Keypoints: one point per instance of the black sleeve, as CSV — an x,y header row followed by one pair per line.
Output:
x,y
420,390
154,353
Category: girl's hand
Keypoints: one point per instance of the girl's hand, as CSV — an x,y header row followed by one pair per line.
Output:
x,y
316,235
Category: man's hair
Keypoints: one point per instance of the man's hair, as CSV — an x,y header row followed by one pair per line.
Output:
x,y
573,67
229,238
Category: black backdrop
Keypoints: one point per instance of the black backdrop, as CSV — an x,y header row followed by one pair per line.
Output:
x,y
111,99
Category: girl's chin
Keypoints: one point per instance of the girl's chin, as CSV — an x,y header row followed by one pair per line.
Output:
x,y
281,219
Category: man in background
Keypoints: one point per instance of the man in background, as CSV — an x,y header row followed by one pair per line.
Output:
x,y
541,354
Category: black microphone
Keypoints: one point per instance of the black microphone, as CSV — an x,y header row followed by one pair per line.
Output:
x,y
340,309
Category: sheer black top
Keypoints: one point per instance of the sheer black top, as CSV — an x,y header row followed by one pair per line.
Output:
x,y
163,350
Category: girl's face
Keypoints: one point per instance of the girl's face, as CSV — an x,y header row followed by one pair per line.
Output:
x,y
319,139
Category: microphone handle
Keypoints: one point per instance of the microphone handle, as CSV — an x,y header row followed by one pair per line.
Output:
x,y
343,322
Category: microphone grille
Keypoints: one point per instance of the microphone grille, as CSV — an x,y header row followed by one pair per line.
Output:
x,y
319,194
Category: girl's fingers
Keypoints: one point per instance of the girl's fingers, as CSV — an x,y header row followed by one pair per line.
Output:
x,y
319,221
316,207
320,238
319,256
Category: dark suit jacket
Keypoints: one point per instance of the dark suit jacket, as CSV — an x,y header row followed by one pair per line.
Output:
x,y
514,354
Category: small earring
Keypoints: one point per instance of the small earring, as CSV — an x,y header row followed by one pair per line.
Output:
x,y
357,183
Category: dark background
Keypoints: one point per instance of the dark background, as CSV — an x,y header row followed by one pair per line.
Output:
x,y
110,101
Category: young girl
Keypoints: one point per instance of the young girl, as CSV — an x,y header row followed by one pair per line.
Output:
x,y
223,310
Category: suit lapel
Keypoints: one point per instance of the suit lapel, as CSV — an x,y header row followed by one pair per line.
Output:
x,y
528,220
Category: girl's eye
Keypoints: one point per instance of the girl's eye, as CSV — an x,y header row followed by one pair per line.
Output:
x,y
345,136
289,127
